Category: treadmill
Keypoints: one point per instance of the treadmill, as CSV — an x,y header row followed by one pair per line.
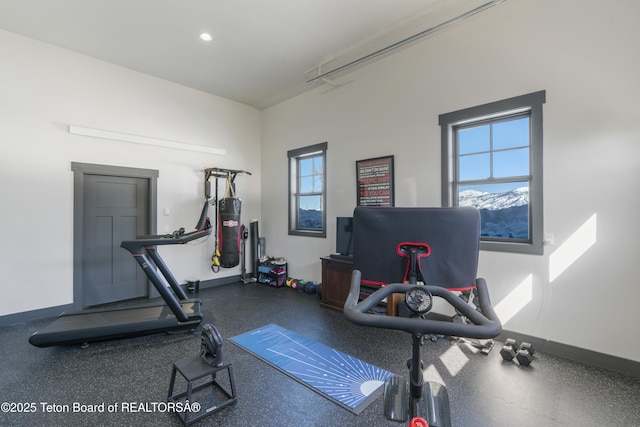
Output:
x,y
178,313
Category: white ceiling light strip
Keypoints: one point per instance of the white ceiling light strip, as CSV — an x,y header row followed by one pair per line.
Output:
x,y
117,136
324,76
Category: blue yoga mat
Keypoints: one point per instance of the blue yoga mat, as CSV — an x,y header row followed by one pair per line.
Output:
x,y
347,381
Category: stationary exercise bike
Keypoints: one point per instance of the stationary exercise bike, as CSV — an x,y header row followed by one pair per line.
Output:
x,y
439,246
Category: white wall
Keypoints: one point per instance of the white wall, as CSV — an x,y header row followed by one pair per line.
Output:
x,y
584,290
43,90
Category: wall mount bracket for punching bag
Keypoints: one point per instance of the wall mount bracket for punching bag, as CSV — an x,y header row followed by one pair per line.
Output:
x,y
226,252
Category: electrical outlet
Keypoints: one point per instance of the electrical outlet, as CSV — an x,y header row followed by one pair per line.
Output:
x,y
549,239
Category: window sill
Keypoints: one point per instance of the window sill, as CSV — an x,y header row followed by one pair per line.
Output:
x,y
518,248
308,233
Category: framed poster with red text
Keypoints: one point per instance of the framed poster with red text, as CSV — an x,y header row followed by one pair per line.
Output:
x,y
374,178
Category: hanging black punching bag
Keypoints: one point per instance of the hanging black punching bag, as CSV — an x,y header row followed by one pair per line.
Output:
x,y
229,231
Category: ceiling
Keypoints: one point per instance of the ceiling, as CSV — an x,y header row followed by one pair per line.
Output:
x,y
262,52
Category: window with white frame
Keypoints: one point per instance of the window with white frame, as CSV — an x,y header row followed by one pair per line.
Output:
x,y
307,190
492,160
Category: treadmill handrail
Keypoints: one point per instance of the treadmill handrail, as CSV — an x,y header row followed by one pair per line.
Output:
x,y
484,325
144,252
163,239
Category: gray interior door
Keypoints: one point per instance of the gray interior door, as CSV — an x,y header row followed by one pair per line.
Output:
x,y
115,209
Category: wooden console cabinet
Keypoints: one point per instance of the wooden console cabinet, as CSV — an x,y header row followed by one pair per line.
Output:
x,y
336,281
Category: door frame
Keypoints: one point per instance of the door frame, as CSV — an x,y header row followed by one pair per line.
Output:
x,y
79,172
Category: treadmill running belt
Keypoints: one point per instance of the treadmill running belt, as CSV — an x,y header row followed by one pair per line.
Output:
x,y
104,324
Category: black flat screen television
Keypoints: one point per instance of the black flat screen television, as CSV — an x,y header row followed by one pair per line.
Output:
x,y
344,235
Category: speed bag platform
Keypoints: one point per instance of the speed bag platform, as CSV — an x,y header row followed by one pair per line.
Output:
x,y
229,231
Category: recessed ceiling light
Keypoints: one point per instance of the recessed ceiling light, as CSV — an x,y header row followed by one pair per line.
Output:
x,y
206,37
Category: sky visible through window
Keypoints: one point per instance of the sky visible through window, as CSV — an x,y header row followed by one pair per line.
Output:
x,y
493,175
311,182
494,151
